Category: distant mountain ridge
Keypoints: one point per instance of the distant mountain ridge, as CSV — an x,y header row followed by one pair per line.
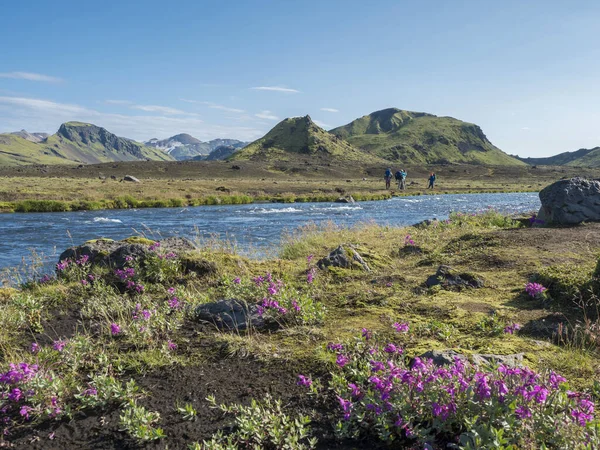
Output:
x,y
420,138
32,137
583,157
75,142
184,146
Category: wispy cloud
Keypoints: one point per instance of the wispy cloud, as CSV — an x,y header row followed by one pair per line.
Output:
x,y
268,115
525,128
333,110
45,115
322,124
276,89
214,106
158,109
30,77
117,102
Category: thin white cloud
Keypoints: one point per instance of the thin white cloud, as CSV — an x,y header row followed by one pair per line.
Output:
x,y
333,110
276,89
214,106
158,109
30,77
267,115
46,116
117,102
525,128
322,124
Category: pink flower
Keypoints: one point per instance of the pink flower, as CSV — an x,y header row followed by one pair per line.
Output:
x,y
342,360
401,327
171,345
59,345
304,381
115,329
237,280
35,347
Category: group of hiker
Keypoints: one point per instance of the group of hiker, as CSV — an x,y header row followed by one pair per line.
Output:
x,y
400,177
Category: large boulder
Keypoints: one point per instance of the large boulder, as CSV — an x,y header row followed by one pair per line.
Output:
x,y
115,253
448,278
569,202
345,256
230,314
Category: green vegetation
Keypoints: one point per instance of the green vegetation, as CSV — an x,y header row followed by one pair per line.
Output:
x,y
418,138
125,345
75,142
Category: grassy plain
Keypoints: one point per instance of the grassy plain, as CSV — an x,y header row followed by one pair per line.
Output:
x,y
196,183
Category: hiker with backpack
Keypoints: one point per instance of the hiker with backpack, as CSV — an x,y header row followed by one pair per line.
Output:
x,y
388,177
401,179
431,180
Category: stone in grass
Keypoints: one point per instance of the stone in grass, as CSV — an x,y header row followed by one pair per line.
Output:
x,y
230,314
131,178
569,202
344,256
448,278
347,199
447,357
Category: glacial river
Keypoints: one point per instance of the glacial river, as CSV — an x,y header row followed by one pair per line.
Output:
x,y
255,228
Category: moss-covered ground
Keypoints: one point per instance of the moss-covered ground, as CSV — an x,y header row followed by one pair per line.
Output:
x,y
176,360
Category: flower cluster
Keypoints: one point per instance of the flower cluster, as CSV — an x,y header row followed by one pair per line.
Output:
x,y
415,400
534,289
510,329
125,274
154,247
408,240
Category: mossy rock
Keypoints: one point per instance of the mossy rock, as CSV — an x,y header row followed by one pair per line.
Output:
x,y
95,241
195,263
566,282
138,240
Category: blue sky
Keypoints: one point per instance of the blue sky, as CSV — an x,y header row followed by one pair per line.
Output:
x,y
527,72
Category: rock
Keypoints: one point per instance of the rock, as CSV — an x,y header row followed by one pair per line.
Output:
x,y
347,199
112,177
514,360
114,253
569,202
344,256
425,223
230,315
236,168
131,178
449,278
447,357
443,357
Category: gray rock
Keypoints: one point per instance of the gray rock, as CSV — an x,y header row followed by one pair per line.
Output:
x,y
131,178
569,202
114,253
442,357
230,314
344,256
448,278
514,360
447,357
347,199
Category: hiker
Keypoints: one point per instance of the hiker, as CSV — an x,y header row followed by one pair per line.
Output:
x,y
431,180
388,177
401,179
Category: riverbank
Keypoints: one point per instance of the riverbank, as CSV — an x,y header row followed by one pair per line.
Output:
x,y
104,337
180,184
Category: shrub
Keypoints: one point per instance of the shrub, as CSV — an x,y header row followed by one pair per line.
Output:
x,y
381,393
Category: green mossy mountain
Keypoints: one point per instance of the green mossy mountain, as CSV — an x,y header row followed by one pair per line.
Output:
x,y
583,157
420,138
73,143
300,138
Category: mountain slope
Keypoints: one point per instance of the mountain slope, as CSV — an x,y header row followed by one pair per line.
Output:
x,y
183,146
421,138
300,137
582,157
75,142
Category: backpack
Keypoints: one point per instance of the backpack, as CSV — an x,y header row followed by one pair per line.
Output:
x,y
398,175
388,173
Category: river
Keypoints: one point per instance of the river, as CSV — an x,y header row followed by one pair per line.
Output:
x,y
255,228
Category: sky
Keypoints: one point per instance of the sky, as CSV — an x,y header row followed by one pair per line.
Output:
x,y
527,72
